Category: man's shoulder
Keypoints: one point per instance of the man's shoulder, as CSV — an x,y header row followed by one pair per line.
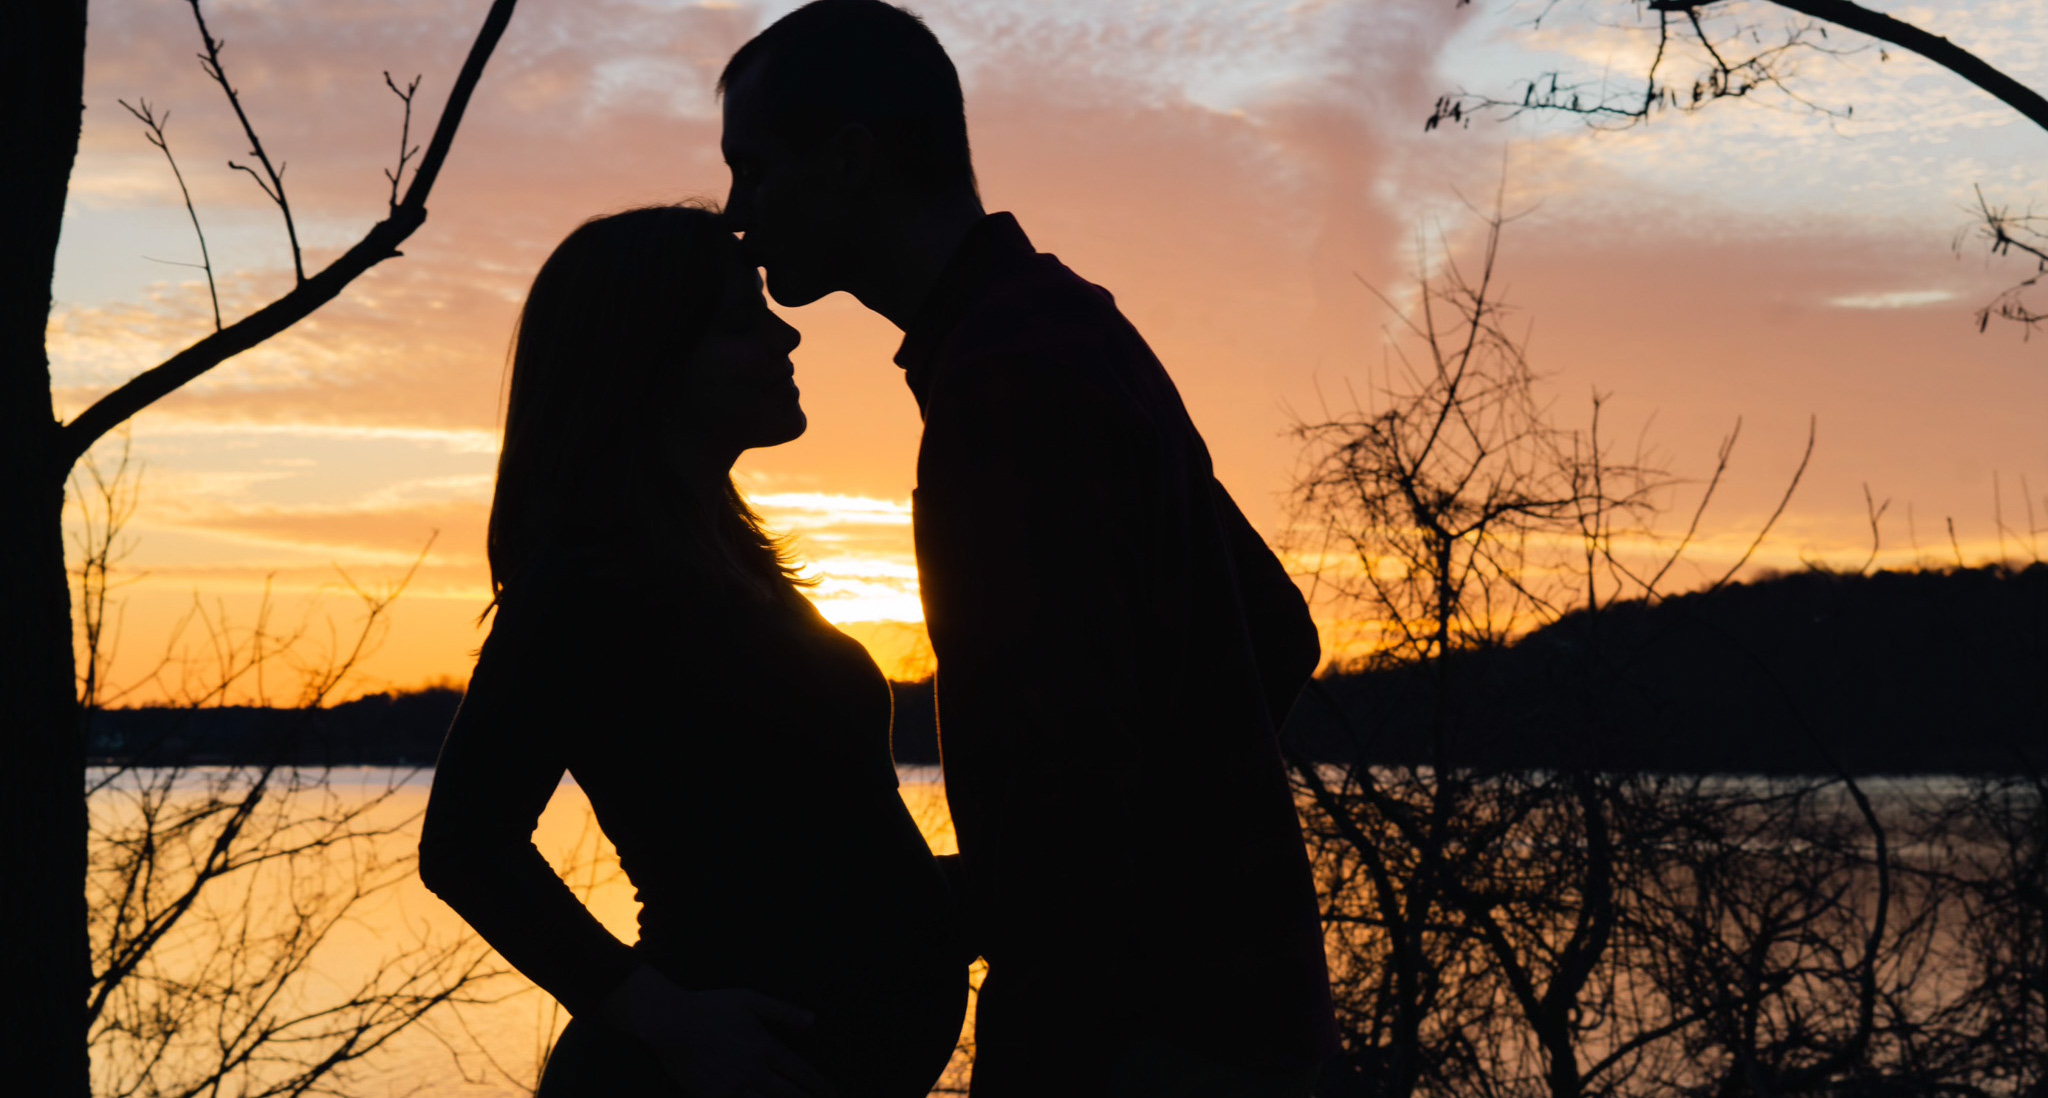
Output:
x,y
1045,365
1041,306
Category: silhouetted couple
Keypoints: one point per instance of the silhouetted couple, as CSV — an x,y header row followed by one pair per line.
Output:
x,y
1116,648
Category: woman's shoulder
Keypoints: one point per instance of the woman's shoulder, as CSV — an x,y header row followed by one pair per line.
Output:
x,y
566,591
554,573
591,589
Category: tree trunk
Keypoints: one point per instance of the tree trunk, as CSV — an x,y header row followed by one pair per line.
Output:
x,y
42,807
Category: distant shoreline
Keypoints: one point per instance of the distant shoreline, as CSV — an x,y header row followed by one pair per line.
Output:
x,y
1918,674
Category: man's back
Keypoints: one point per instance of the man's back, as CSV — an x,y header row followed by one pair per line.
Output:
x,y
1116,649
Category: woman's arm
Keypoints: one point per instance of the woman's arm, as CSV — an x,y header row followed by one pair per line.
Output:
x,y
502,760
500,763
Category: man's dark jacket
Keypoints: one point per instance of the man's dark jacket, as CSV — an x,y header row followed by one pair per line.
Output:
x,y
1116,650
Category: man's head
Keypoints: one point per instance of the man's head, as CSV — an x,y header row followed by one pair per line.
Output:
x,y
840,118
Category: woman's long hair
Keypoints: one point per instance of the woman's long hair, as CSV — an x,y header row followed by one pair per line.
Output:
x,y
612,318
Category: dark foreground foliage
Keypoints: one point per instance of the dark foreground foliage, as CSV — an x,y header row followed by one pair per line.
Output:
x,y
1531,884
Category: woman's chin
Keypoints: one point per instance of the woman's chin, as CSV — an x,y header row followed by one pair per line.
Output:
x,y
788,428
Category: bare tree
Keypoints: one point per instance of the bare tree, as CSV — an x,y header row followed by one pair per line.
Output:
x,y
1705,51
1982,1010
1485,925
1460,516
215,893
1573,926
42,64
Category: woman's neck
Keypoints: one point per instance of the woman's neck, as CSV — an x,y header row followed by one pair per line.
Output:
x,y
704,477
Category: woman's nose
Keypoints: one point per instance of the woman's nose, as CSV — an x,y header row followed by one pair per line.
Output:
x,y
790,336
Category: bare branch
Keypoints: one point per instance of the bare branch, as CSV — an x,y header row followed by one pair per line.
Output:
x,y
379,244
2004,233
1876,512
1740,60
155,136
405,148
1806,457
271,180
1842,13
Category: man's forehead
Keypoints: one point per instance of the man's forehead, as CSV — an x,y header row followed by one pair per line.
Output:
x,y
743,99
750,115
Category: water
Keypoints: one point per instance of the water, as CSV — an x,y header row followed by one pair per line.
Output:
x,y
489,1047
492,1043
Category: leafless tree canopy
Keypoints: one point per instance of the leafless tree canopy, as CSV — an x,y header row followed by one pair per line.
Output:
x,y
66,950
216,893
1587,930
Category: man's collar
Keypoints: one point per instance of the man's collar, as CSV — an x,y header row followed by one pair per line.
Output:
x,y
992,243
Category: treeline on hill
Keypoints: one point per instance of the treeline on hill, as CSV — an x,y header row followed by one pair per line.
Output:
x,y
1897,672
392,729
1807,673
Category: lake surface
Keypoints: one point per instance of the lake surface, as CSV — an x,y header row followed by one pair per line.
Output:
x,y
487,1049
493,1046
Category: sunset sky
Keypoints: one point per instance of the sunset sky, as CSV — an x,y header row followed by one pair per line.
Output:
x,y
1232,171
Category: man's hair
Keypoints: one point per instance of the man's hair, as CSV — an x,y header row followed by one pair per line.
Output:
x,y
835,62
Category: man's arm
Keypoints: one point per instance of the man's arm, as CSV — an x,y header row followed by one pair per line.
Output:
x,y
1284,637
1030,577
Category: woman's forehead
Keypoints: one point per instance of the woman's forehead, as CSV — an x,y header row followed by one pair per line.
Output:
x,y
742,286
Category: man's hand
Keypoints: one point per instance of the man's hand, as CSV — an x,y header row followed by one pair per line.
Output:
x,y
717,1044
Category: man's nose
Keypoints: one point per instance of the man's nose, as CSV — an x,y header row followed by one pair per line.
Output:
x,y
736,211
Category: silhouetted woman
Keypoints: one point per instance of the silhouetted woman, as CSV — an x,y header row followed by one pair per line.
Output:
x,y
650,640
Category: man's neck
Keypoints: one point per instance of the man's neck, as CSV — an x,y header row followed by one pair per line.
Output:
x,y
912,255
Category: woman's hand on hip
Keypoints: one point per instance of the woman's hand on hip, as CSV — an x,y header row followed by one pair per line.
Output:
x,y
717,1044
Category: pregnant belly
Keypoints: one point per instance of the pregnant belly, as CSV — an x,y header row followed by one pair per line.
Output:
x,y
890,1041
887,1014
892,1045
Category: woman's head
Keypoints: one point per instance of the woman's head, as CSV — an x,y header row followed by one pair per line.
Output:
x,y
645,361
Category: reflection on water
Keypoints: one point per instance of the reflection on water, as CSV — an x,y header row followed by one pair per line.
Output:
x,y
484,1049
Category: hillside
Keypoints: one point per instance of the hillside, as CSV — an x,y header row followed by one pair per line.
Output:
x,y
1897,672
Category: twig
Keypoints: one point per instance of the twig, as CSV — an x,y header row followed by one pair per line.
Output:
x,y
1998,514
1876,511
209,62
155,136
2033,531
1812,426
1933,47
1692,528
405,150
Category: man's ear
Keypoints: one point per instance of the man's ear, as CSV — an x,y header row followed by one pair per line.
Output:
x,y
852,155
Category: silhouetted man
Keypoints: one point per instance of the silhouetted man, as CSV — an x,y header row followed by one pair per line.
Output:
x,y
1116,646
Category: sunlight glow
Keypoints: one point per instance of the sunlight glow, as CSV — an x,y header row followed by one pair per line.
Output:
x,y
813,510
1902,299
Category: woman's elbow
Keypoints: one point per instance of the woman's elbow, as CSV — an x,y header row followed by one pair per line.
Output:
x,y
1308,652
443,856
